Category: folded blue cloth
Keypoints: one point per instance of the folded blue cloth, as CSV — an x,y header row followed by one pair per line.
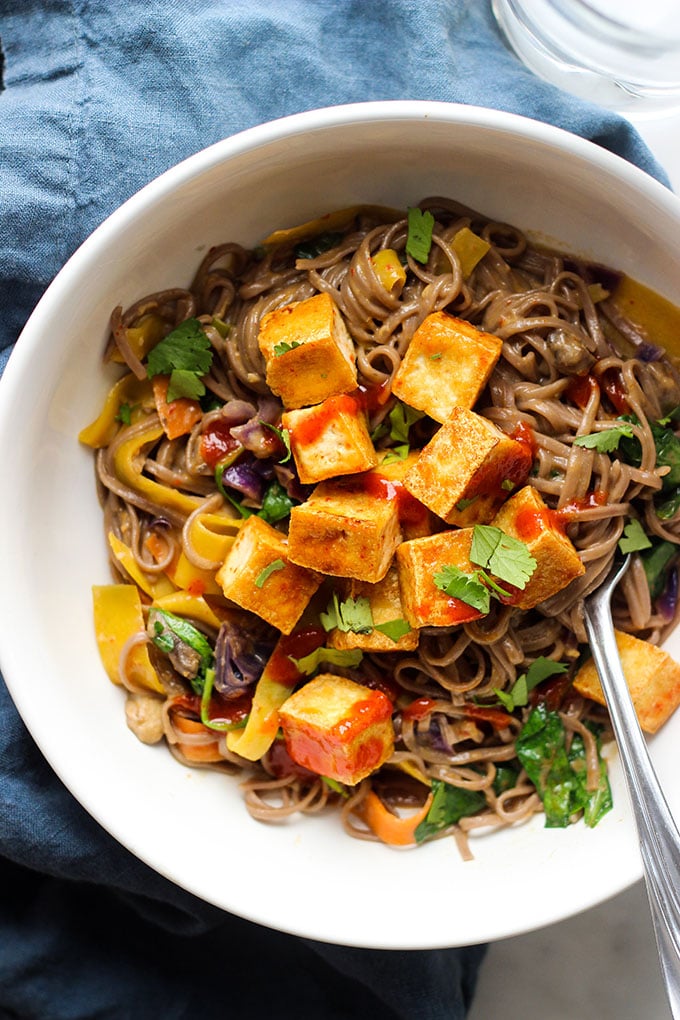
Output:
x,y
98,99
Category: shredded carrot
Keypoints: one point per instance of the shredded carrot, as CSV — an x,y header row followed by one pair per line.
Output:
x,y
390,828
196,752
179,416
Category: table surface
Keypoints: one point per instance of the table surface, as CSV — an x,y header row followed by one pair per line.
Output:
x,y
600,965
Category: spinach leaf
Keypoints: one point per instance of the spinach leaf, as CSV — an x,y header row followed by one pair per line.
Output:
x,y
449,805
316,246
656,564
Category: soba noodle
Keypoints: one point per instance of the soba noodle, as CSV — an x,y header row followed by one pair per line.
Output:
x,y
559,326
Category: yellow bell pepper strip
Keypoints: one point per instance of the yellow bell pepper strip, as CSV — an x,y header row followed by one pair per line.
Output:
x,y
194,607
128,463
337,220
212,535
389,269
149,330
193,579
395,830
470,249
118,617
152,587
275,686
127,391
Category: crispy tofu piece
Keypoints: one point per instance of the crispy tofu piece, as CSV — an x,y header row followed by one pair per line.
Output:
x,y
338,728
526,517
467,469
653,680
447,365
415,519
258,575
418,561
384,598
346,528
308,352
330,439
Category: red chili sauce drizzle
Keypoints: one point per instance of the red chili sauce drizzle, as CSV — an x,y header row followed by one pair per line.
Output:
x,y
280,669
217,442
530,523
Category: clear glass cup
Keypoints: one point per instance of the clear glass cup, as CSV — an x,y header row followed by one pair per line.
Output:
x,y
623,54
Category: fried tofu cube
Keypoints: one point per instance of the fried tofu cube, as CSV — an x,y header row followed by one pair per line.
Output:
x,y
384,599
330,439
338,728
418,561
258,575
447,365
308,352
653,680
467,469
415,518
526,517
346,528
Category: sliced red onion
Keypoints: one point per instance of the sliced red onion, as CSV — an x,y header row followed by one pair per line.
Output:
x,y
244,479
235,412
239,660
668,601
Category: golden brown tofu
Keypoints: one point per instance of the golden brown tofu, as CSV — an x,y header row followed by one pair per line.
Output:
x,y
415,518
425,604
308,352
384,599
447,365
348,528
338,728
467,469
526,517
258,575
330,439
653,680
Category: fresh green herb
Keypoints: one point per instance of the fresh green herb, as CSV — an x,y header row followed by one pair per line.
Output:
x,y
284,436
467,587
335,786
559,776
656,564
276,505
124,414
402,417
396,453
669,508
539,670
672,416
335,656
268,571
316,246
283,347
394,629
419,239
449,805
607,440
667,450
505,557
169,629
507,485
436,357
350,615
634,538
185,355
463,504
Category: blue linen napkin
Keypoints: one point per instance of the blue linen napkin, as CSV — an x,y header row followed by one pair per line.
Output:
x,y
97,99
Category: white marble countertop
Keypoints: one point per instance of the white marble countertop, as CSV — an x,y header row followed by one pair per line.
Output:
x,y
600,965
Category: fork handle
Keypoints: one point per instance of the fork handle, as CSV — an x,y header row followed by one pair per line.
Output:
x,y
657,832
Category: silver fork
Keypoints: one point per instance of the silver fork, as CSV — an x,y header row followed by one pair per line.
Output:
x,y
657,832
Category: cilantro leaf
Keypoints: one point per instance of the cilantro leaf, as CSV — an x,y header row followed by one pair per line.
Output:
x,y
401,418
124,414
350,615
419,239
283,347
283,435
449,805
268,571
540,669
634,538
394,629
276,504
607,440
308,664
184,383
185,349
397,453
466,587
504,556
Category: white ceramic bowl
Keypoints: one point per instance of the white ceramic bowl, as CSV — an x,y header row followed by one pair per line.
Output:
x,y
306,876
